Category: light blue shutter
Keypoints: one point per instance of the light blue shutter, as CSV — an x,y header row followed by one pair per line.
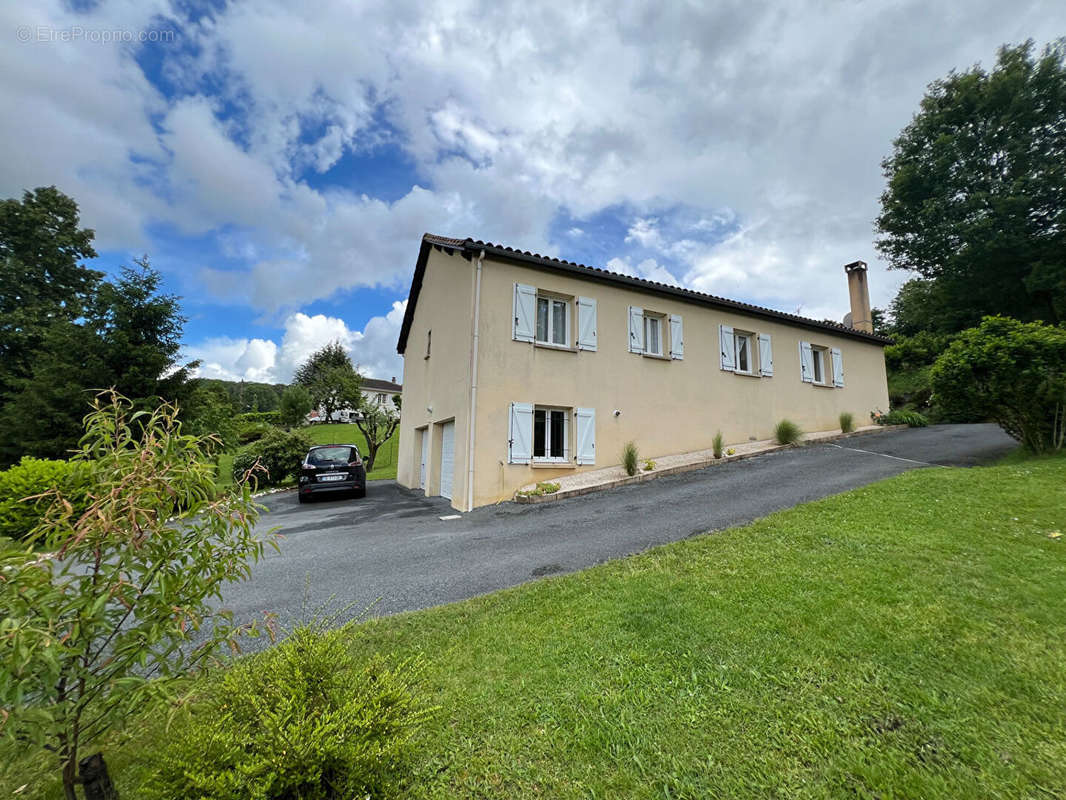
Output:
x,y
725,339
585,421
525,312
586,323
766,355
636,329
677,337
520,444
838,367
806,362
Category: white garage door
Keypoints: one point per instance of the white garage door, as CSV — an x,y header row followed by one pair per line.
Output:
x,y
447,459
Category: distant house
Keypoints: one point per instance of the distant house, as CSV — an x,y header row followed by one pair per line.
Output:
x,y
520,368
376,392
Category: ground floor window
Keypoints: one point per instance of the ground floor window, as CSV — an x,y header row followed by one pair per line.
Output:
x,y
551,434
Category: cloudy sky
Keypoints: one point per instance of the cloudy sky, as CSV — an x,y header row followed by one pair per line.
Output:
x,y
279,161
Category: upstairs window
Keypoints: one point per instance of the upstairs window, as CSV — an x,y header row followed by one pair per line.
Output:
x,y
553,321
653,339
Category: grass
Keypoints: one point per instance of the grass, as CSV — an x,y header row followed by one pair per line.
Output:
x,y
906,639
630,457
847,422
334,433
787,432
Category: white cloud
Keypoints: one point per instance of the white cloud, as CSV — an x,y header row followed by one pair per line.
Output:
x,y
510,113
372,350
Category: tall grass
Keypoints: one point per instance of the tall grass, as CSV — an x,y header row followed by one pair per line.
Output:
x,y
630,457
847,422
787,432
719,443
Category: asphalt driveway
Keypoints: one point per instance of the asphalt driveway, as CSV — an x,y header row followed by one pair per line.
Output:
x,y
392,550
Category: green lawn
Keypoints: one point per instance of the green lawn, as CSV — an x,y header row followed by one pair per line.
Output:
x,y
338,433
904,640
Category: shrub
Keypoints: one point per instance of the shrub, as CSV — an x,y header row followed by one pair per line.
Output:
x,y
253,432
649,465
32,477
543,487
731,451
901,417
630,457
105,628
305,719
719,441
253,417
787,432
847,422
280,453
1011,372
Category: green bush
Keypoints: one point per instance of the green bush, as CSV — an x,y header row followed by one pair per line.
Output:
x,y
1011,372
303,720
253,417
719,442
31,477
253,432
787,432
847,422
280,453
630,457
901,417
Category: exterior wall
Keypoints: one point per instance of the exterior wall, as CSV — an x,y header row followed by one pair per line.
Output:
x,y
667,406
437,389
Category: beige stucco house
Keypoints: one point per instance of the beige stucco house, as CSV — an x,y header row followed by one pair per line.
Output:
x,y
519,368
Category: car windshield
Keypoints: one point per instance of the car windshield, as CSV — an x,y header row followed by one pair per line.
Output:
x,y
332,455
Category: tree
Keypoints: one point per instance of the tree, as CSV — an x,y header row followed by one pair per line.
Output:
x,y
331,379
377,424
210,412
976,196
295,405
1011,372
104,627
41,280
129,337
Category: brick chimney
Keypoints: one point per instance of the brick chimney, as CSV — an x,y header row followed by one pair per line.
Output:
x,y
859,290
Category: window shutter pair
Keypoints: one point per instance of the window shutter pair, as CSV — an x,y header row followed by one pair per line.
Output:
x,y
525,317
520,434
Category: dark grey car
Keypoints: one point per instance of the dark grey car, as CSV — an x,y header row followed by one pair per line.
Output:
x,y
332,469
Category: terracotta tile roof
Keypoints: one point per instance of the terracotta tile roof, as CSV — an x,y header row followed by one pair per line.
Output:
x,y
471,247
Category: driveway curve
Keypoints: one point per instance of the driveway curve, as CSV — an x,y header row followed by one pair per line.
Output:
x,y
391,549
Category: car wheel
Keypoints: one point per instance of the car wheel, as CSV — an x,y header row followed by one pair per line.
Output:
x,y
360,494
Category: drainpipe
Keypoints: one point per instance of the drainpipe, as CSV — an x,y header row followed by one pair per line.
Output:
x,y
473,387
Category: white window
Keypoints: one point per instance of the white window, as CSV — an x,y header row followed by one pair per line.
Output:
x,y
551,434
821,365
653,335
553,321
647,332
818,364
742,345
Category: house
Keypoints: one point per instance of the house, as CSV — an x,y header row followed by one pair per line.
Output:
x,y
376,392
520,368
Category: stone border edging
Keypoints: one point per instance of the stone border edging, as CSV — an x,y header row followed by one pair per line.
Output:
x,y
657,473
